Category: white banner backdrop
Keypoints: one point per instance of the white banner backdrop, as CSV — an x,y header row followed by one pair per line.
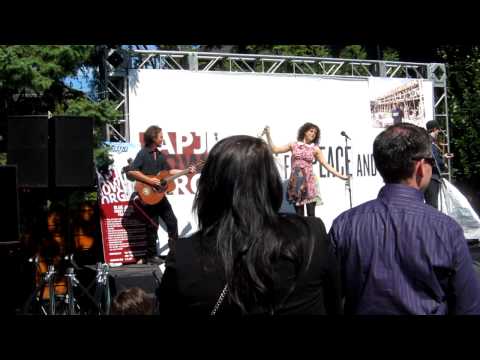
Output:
x,y
197,109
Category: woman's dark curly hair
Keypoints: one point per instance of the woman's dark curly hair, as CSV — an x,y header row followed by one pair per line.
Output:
x,y
304,128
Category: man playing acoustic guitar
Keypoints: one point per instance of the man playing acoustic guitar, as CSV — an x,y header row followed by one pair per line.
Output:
x,y
150,161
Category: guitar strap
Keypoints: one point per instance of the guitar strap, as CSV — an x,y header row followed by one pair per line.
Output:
x,y
140,208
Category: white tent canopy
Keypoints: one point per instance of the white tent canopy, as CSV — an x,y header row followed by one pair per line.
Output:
x,y
453,203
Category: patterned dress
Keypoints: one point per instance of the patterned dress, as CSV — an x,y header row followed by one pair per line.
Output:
x,y
303,187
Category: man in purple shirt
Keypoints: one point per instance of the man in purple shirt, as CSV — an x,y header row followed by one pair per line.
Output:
x,y
399,255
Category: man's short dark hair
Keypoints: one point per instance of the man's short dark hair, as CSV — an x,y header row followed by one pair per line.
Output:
x,y
133,301
432,125
395,148
151,134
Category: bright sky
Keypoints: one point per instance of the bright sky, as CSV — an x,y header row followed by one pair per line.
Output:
x,y
81,81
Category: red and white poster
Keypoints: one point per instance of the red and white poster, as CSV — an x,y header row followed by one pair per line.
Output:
x,y
124,227
124,222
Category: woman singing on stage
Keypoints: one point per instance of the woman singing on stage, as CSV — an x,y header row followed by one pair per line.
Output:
x,y
302,186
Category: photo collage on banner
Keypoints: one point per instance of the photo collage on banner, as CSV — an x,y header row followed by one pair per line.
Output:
x,y
393,101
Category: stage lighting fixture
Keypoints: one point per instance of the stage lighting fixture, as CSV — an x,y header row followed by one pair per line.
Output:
x,y
115,59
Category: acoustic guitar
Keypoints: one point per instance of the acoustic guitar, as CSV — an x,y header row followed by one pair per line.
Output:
x,y
152,195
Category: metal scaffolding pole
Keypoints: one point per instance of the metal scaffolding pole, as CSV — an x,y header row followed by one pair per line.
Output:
x,y
438,74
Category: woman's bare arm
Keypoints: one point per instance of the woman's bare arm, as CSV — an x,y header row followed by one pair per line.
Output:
x,y
276,149
319,156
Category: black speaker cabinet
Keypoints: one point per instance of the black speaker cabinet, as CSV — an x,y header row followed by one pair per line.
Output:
x,y
74,165
28,149
55,152
9,196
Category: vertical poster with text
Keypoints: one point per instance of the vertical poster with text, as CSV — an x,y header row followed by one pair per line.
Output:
x,y
123,226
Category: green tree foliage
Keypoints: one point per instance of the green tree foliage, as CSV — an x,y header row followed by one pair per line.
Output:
x,y
31,82
347,52
37,67
463,70
353,52
391,54
27,70
290,50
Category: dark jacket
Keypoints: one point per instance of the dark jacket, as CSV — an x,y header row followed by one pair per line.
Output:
x,y
439,163
188,288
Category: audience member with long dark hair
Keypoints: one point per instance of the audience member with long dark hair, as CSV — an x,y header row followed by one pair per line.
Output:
x,y
263,262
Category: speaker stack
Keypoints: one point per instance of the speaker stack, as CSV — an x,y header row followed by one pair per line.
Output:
x,y
52,152
9,236
48,158
9,196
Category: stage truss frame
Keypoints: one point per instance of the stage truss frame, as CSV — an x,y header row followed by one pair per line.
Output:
x,y
138,57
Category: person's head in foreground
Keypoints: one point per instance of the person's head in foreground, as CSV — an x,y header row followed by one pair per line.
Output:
x,y
403,155
133,301
399,255
271,263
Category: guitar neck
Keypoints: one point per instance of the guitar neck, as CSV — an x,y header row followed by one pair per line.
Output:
x,y
173,177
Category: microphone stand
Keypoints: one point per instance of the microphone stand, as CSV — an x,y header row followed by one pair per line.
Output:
x,y
347,183
47,280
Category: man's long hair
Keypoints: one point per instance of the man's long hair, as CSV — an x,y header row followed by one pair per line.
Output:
x,y
150,135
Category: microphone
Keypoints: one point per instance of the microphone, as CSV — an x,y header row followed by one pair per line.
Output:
x,y
345,135
261,133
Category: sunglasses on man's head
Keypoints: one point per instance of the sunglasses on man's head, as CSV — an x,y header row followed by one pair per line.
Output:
x,y
429,160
